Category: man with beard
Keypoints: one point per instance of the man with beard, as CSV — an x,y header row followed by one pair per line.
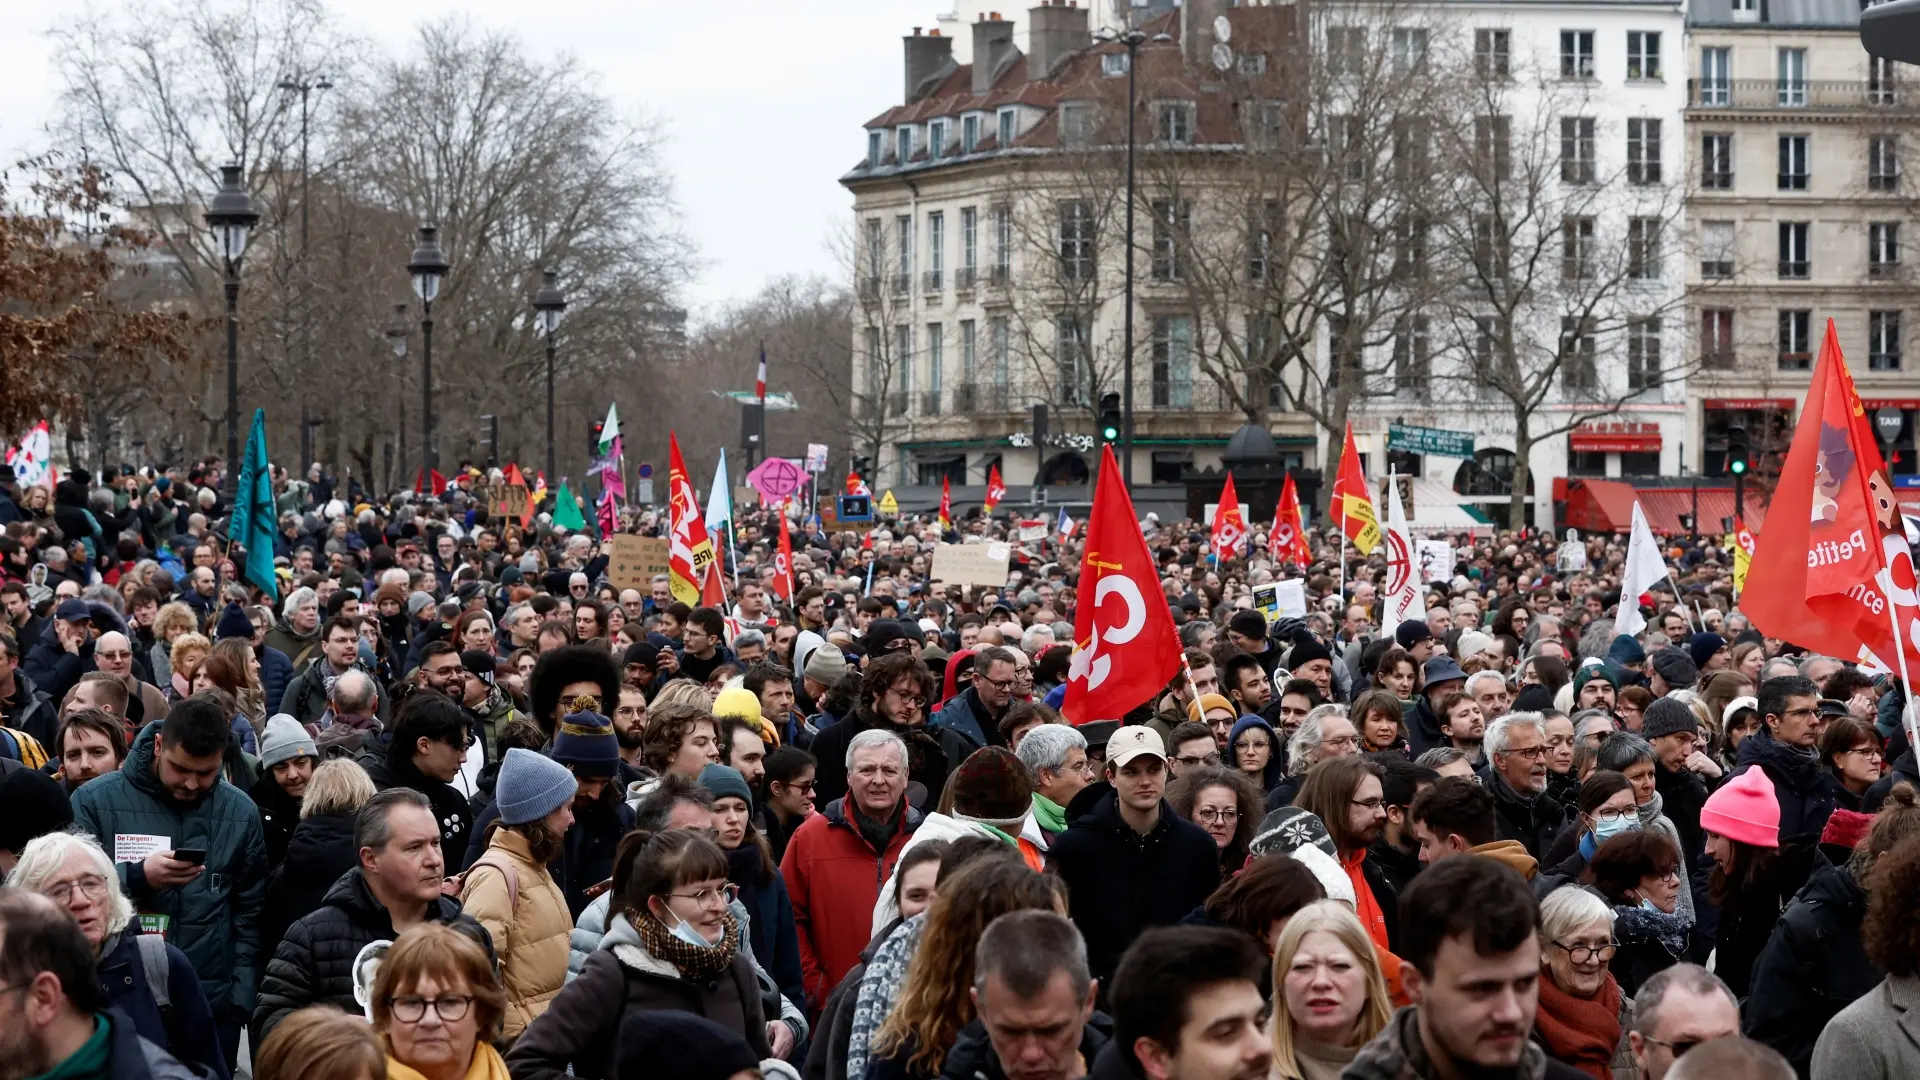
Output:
x,y
1516,775
492,709
339,653
1471,947
630,728
1784,749
1187,1005
894,691
1349,798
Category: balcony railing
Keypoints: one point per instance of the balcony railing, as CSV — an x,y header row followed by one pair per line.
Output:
x,y
897,404
1716,268
930,403
1795,269
1828,94
963,278
933,280
1883,271
1000,276
902,283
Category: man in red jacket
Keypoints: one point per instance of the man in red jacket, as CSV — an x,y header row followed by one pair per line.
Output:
x,y
837,859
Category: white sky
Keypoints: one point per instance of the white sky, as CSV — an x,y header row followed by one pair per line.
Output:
x,y
761,103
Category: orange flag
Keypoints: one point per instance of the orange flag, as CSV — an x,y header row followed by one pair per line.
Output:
x,y
995,489
946,502
1352,504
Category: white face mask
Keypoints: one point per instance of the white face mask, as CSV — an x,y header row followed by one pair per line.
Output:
x,y
684,930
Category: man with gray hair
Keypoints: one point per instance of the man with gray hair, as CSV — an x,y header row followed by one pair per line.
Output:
x,y
1489,689
1033,996
297,633
1674,1011
350,723
1324,733
1516,774
1056,757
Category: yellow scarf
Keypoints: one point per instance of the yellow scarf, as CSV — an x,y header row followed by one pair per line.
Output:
x,y
487,1065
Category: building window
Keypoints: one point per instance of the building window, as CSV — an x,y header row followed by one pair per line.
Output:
x,y
1003,137
967,350
936,138
1412,355
1716,339
1076,123
1716,161
1643,54
1795,262
1170,223
1643,151
1346,50
1883,249
1791,78
997,349
936,249
876,255
1409,45
969,245
936,361
1493,146
1576,54
1794,169
1070,354
1113,63
1576,149
1643,353
1002,244
1176,122
876,370
1883,163
1076,240
1345,143
1577,238
969,133
1643,249
1579,371
903,266
1260,233
1410,246
1493,54
1251,64
1411,137
1796,337
876,147
1173,362
1492,248
1883,341
1883,81
1489,332
903,362
1716,249
1716,76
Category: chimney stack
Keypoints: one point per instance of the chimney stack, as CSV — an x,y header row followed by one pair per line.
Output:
x,y
1196,35
928,57
1054,31
992,42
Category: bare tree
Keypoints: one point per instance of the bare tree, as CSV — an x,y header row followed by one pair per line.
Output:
x,y
881,332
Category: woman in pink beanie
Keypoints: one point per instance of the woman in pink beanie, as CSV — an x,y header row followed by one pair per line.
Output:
x,y
1753,875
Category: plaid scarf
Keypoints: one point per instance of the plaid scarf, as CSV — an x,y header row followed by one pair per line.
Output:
x,y
697,964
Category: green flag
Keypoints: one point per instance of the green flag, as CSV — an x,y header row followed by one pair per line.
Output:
x,y
252,523
566,512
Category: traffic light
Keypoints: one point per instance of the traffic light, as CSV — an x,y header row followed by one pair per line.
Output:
x,y
1110,417
1737,451
593,438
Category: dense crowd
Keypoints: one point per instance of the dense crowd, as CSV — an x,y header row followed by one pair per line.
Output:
x,y
448,801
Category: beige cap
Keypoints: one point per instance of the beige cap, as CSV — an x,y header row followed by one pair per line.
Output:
x,y
1130,742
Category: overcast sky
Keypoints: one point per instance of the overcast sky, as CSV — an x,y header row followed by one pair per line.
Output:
x,y
761,103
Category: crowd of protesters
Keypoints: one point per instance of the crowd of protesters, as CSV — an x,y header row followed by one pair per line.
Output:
x,y
449,801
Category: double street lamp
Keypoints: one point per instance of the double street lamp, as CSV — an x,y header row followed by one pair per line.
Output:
x,y
548,305
428,268
231,217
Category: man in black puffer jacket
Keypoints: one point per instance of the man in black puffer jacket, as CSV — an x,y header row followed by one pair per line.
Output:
x,y
395,887
1812,967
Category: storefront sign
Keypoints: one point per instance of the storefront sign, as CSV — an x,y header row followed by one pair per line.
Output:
x,y
1620,436
1436,441
1762,404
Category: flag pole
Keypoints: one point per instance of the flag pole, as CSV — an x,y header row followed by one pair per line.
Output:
x,y
1343,547
1907,717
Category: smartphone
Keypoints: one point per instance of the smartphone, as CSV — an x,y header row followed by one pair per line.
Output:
x,y
192,856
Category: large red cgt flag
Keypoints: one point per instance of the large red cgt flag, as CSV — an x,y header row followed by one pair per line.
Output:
x,y
1352,504
783,561
996,490
1229,536
1125,649
689,552
1832,572
1288,540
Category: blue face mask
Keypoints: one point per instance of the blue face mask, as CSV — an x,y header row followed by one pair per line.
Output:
x,y
685,932
1608,828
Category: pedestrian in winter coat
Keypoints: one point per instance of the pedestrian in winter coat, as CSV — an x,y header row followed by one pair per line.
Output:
x,y
672,946
1784,748
510,892
167,800
424,752
305,698
287,758
1583,1014
321,849
1755,873
1878,1036
395,887
761,889
893,697
64,651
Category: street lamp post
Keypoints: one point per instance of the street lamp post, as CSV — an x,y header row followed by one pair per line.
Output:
x,y
548,305
428,268
396,335
230,217
306,88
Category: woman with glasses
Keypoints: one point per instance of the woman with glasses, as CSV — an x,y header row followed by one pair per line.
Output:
x,y
1583,1016
1330,998
671,944
1638,874
1606,810
509,890
1254,752
74,872
1225,803
1850,751
437,1007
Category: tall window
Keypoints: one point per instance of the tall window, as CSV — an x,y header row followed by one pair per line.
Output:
x,y
1003,135
1716,338
1409,45
1716,161
1577,240
1002,244
1643,151
1716,75
967,357
1576,149
1716,249
936,362
903,267
969,244
1070,353
1493,54
936,138
1173,362
1579,369
1794,169
1412,355
1176,122
876,370
1493,146
1883,341
876,254
1643,249
1076,123
1076,240
1345,143
1883,163
969,132
1260,233
936,248
1643,54
1643,353
903,145
903,362
1170,222
1790,79
1576,54
1883,249
1410,246
1346,50
1489,358
1796,341
1492,249
1883,81
998,341
1796,264
1411,136
876,147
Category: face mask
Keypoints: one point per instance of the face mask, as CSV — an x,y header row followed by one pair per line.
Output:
x,y
685,932
1606,830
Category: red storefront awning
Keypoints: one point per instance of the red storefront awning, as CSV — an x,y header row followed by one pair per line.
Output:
x,y
1599,505
1607,506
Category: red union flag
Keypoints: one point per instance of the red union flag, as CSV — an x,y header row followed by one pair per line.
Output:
x,y
1288,540
783,562
946,502
995,489
1125,649
1352,504
689,552
1832,572
1229,535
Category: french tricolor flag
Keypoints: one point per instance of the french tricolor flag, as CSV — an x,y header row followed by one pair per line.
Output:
x,y
1066,525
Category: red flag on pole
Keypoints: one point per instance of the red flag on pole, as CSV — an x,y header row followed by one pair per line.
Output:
x,y
1288,540
946,502
1835,571
995,489
1125,649
783,562
1352,504
1229,536
689,552
422,486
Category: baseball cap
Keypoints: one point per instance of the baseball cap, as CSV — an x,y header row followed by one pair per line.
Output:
x,y
1130,742
73,610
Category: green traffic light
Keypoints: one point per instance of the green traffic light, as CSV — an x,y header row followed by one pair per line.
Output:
x,y
1739,467
1110,433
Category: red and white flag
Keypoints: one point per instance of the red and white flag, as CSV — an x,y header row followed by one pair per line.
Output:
x,y
946,502
1288,540
1229,535
855,485
1125,649
995,489
692,568
783,561
760,379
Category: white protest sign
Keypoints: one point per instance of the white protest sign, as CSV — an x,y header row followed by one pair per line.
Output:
x,y
135,847
1436,561
972,564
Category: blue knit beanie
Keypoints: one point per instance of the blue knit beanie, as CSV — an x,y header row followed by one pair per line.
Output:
x,y
586,741
531,786
724,780
233,624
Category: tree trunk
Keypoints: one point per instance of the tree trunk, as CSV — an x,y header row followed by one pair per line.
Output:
x,y
1522,448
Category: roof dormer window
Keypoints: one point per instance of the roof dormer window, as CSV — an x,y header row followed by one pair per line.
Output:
x,y
969,132
1175,120
1113,63
903,144
936,138
876,146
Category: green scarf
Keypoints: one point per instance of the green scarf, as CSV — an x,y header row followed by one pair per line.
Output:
x,y
1049,815
91,1060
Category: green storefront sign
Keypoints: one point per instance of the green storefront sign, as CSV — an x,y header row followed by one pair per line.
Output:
x,y
1437,441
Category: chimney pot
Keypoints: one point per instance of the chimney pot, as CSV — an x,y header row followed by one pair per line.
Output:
x,y
916,31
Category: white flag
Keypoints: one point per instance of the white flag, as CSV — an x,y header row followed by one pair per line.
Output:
x,y
720,496
610,428
1401,597
1643,571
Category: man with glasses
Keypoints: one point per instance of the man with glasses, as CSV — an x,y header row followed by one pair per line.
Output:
x,y
976,711
1516,775
894,692
396,886
113,654
1675,1011
1323,734
1784,748
1194,747
431,735
1058,762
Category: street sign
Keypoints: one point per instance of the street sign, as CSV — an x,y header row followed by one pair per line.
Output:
x,y
780,402
1436,441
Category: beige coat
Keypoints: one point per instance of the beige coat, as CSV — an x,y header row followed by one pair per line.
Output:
x,y
530,936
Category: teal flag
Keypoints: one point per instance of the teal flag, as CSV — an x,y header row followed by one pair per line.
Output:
x,y
566,512
252,523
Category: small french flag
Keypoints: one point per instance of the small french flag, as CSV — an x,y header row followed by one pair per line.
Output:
x,y
760,380
1066,525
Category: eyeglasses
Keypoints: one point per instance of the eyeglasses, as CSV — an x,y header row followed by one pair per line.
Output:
x,y
1531,753
410,1008
910,700
1677,1048
1374,803
1189,761
725,894
1216,817
93,886
1581,954
1344,742
1002,685
1871,752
